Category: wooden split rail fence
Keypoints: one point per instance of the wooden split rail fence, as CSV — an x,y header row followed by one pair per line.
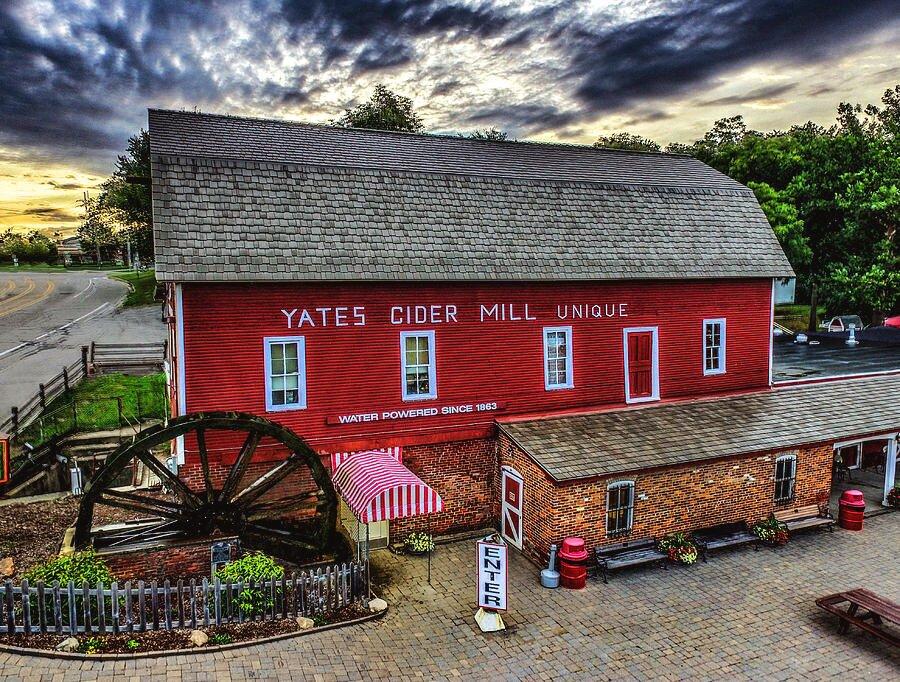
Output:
x,y
140,607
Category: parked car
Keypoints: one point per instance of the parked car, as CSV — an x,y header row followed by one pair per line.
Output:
x,y
892,321
841,323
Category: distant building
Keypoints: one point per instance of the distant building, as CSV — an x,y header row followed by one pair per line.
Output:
x,y
785,290
69,250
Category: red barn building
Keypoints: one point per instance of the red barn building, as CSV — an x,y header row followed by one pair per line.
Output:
x,y
557,339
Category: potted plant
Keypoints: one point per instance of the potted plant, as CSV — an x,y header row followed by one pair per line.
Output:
x,y
771,531
419,543
893,497
680,548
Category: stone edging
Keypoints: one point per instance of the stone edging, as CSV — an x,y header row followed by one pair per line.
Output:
x,y
52,653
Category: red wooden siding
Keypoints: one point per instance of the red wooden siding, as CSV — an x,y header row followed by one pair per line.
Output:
x,y
356,369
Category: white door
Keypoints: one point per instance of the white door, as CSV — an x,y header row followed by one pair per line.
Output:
x,y
513,490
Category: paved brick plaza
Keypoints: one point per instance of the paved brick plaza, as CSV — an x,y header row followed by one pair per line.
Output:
x,y
744,615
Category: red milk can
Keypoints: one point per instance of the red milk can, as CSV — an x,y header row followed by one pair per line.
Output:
x,y
573,563
852,508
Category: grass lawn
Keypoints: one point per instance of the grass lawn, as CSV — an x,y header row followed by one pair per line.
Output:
x,y
795,316
142,283
32,267
93,405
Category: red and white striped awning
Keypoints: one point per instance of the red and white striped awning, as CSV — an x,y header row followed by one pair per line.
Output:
x,y
377,487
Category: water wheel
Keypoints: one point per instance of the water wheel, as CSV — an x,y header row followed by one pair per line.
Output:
x,y
235,507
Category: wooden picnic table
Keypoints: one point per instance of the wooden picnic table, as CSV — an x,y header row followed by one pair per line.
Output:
x,y
875,609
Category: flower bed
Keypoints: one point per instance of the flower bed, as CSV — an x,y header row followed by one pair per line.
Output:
x,y
168,640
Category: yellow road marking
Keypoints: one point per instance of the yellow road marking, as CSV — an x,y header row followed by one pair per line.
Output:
x,y
29,287
10,285
27,304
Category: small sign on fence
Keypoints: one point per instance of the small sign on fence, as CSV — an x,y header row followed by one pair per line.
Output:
x,y
4,457
220,553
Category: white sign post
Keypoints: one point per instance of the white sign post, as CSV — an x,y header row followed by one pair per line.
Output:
x,y
492,583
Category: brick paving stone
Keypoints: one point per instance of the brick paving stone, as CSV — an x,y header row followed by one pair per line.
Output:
x,y
745,616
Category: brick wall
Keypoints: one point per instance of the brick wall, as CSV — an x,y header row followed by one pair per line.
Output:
x,y
182,560
463,474
680,498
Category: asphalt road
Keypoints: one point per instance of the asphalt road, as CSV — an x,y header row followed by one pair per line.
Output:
x,y
45,318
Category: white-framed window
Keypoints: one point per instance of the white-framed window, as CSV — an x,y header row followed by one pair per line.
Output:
x,y
419,376
285,358
619,507
714,346
785,477
558,371
641,349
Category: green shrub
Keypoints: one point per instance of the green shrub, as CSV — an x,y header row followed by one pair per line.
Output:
x,y
258,567
220,638
78,567
91,645
132,645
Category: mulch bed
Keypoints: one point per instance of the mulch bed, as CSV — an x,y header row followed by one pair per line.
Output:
x,y
163,640
32,533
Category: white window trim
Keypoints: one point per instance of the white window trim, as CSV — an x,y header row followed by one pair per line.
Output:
x,y
570,366
432,366
655,381
179,364
721,322
301,366
784,458
614,486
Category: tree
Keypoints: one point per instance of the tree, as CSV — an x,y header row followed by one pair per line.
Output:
x,y
126,200
95,232
627,141
385,110
488,134
30,247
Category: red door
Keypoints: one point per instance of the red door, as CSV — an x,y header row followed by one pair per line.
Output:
x,y
511,507
640,364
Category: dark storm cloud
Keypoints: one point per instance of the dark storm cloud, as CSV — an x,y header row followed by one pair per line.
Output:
x,y
689,43
76,86
755,95
534,118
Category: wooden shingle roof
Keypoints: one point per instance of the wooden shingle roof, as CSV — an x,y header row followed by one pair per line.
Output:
x,y
238,199
631,439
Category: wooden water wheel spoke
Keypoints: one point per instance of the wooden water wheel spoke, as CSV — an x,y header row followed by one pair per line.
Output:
x,y
240,466
203,453
168,478
278,535
250,512
158,531
268,509
266,482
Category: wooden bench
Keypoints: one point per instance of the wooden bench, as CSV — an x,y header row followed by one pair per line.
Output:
x,y
624,554
810,516
877,610
724,535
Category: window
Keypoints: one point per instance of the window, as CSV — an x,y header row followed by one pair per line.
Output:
x,y
417,356
285,373
714,346
558,358
619,507
785,477
641,364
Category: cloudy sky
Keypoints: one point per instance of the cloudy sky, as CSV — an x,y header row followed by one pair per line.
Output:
x,y
76,77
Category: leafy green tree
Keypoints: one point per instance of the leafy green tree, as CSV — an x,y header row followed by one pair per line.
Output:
x,y
30,247
488,134
627,141
126,200
385,110
785,221
96,231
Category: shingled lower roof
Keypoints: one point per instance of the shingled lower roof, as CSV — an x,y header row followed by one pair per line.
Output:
x,y
628,440
247,199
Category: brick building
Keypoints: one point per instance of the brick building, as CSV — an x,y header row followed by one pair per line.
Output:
x,y
556,339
